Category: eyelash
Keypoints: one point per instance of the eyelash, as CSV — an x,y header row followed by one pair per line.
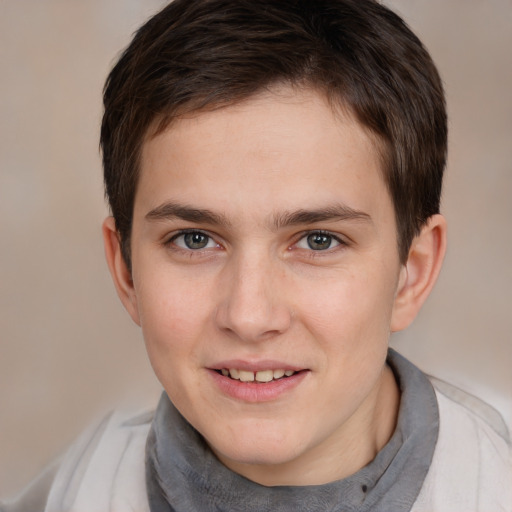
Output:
x,y
171,243
319,232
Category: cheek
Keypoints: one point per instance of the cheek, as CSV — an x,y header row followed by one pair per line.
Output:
x,y
174,321
173,312
350,309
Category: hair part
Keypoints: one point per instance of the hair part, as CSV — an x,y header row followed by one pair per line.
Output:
x,y
196,55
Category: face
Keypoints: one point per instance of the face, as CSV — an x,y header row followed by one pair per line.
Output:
x,y
265,270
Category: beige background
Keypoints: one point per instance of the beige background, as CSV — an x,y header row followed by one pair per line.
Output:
x,y
68,350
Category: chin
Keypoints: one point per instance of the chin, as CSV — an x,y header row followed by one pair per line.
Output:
x,y
259,447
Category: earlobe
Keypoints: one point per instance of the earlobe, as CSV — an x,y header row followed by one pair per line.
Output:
x,y
119,271
419,274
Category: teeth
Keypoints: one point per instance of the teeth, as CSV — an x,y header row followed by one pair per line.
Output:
x,y
246,376
278,374
260,376
264,376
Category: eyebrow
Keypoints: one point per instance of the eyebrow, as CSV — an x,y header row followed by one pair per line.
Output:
x,y
171,210
330,213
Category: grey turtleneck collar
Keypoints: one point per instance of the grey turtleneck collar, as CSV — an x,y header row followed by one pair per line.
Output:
x,y
183,474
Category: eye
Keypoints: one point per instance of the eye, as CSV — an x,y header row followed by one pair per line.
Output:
x,y
194,240
318,241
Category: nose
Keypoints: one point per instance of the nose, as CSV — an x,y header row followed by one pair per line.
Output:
x,y
252,304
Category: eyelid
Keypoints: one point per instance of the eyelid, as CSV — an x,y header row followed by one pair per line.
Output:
x,y
182,232
341,241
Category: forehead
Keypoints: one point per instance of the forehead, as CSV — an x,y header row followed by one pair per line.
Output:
x,y
274,150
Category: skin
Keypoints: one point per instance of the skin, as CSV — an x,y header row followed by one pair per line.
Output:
x,y
264,175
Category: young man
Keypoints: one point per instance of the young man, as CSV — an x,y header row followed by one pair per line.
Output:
x,y
274,171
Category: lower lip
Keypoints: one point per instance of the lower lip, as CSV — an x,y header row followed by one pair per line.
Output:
x,y
257,391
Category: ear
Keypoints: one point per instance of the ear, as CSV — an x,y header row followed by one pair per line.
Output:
x,y
119,270
419,274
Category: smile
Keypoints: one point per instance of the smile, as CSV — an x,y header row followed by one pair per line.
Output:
x,y
258,376
257,383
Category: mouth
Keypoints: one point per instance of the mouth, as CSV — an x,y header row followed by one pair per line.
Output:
x,y
257,382
260,376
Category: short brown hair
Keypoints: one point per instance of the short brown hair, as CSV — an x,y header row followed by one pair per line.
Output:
x,y
197,54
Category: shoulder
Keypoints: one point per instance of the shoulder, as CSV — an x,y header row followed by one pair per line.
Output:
x,y
102,470
472,465
33,497
455,400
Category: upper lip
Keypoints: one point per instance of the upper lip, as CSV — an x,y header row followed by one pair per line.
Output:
x,y
255,366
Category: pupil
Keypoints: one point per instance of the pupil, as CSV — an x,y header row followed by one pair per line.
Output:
x,y
319,242
196,240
